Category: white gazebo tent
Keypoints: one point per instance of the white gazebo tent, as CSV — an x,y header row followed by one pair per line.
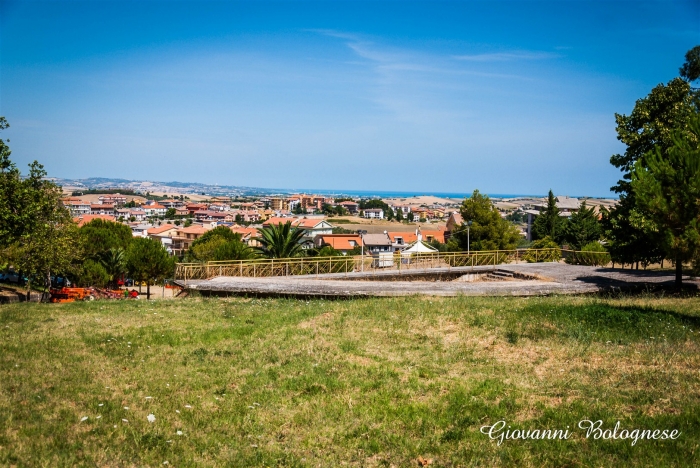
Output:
x,y
418,247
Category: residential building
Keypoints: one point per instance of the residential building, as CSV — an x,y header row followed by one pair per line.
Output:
x,y
102,209
454,223
351,206
154,209
340,242
172,203
401,240
183,238
249,235
374,213
312,227
164,233
77,207
115,199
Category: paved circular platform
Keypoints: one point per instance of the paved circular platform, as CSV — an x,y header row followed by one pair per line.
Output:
x,y
551,278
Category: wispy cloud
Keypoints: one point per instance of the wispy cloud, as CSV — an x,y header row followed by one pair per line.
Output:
x,y
507,56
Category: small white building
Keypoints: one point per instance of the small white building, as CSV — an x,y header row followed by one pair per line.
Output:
x,y
374,213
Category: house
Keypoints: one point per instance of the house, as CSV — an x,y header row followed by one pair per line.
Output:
x,y
84,219
183,238
340,242
164,233
454,223
279,203
139,229
351,206
374,213
115,199
404,209
219,207
172,203
77,207
102,209
401,240
312,227
181,211
249,235
192,207
154,209
377,243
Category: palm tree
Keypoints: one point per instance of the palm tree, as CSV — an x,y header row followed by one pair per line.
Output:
x,y
281,241
114,261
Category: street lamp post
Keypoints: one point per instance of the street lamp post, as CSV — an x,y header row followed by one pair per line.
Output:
x,y
362,249
469,223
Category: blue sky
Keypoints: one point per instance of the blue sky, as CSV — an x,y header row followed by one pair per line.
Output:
x,y
506,97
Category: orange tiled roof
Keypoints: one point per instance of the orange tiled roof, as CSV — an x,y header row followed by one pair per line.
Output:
x,y
409,237
87,218
341,241
161,228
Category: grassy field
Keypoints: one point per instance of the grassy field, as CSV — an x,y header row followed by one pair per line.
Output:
x,y
380,382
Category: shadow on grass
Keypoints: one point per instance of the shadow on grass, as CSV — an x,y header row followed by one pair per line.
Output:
x,y
601,322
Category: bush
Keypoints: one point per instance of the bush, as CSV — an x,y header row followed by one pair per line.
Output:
x,y
591,254
543,250
92,273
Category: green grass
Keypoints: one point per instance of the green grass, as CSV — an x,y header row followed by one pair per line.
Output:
x,y
378,382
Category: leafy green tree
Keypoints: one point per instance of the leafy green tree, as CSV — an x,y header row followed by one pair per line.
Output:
x,y
549,223
37,233
488,230
147,260
170,213
399,215
667,187
114,263
583,228
92,273
631,236
219,244
100,236
410,216
280,241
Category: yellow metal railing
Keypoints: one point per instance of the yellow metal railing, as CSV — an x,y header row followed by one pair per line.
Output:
x,y
265,267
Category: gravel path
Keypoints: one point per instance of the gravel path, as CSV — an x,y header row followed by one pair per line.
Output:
x,y
554,278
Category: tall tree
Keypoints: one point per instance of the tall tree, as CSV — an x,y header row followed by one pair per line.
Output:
x,y
147,260
631,236
549,223
281,241
218,244
667,187
488,231
582,228
100,236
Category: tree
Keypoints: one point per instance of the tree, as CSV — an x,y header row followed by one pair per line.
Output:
x,y
691,68
549,223
280,241
410,217
100,236
488,230
37,233
92,273
399,215
583,228
667,187
218,244
147,260
114,263
631,236
170,213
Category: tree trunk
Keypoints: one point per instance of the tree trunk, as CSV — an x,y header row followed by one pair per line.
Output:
x,y
679,272
148,290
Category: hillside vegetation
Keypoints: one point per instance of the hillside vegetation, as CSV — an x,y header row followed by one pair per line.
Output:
x,y
379,382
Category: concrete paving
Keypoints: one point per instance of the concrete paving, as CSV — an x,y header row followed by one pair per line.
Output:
x,y
548,278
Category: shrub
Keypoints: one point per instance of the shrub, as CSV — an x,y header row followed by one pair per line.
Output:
x,y
592,254
543,250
